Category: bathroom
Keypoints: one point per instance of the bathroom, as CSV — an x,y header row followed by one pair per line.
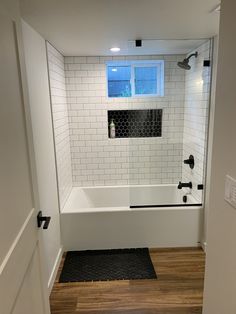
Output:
x,y
121,127
124,190
130,179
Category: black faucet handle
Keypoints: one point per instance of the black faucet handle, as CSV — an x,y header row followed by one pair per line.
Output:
x,y
190,161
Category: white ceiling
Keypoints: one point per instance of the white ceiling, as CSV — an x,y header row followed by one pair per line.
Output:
x,y
161,47
91,27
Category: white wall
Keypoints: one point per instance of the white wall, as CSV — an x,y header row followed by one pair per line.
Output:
x,y
220,278
197,96
98,160
38,90
60,121
15,179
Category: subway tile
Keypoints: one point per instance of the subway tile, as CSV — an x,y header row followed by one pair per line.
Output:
x,y
152,161
62,144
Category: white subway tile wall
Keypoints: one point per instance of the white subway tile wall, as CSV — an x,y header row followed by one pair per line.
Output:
x,y
98,160
197,93
60,122
85,154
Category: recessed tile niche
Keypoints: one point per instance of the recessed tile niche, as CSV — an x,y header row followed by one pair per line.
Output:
x,y
136,123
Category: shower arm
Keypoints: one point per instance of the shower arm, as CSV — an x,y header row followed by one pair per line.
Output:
x,y
193,54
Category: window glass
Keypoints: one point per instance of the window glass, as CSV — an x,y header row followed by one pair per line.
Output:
x,y
145,80
119,81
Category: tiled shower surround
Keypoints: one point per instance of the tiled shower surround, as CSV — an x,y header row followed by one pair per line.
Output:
x,y
99,160
60,121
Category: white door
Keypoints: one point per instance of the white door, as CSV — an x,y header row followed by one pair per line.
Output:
x,y
22,285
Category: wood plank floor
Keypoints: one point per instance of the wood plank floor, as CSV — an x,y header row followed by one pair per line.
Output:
x,y
178,289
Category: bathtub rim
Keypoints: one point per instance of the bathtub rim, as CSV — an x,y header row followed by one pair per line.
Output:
x,y
123,186
115,209
97,210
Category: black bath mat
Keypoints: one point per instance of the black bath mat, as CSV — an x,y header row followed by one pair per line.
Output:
x,y
105,265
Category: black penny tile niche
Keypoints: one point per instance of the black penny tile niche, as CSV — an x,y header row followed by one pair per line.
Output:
x,y
136,123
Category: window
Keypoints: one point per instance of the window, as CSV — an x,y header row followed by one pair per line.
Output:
x,y
135,78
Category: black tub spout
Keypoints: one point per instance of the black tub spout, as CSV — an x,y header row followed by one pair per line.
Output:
x,y
185,185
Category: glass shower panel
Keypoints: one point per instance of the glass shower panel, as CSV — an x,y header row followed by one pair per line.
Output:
x,y
165,131
155,162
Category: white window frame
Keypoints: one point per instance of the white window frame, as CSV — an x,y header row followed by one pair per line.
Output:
x,y
159,64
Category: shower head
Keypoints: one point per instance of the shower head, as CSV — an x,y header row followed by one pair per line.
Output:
x,y
185,63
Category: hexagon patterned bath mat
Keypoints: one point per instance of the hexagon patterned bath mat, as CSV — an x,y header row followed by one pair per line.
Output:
x,y
102,265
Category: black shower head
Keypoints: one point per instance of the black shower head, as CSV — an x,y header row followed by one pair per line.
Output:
x,y
185,63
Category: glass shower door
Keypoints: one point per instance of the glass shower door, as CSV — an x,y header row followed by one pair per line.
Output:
x,y
155,162
165,131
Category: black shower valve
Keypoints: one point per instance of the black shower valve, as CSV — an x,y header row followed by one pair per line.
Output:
x,y
190,161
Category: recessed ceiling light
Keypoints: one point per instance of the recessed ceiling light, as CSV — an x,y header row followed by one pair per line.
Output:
x,y
115,49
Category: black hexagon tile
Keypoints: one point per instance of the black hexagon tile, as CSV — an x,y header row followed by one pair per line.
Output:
x,y
136,123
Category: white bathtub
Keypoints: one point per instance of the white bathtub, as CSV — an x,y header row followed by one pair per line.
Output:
x,y
101,217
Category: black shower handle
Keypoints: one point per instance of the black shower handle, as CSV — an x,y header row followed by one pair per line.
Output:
x,y
190,161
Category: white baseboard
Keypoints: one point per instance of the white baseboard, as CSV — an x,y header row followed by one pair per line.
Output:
x,y
55,270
